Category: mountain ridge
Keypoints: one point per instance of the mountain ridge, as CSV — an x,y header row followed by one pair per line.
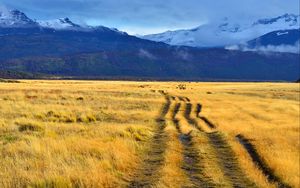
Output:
x,y
11,19
276,41
226,33
106,52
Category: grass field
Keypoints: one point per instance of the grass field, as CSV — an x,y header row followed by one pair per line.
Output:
x,y
149,134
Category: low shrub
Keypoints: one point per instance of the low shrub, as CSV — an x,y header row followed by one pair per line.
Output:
x,y
86,118
29,126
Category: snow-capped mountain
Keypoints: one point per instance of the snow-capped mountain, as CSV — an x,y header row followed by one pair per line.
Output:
x,y
16,21
277,38
15,18
63,48
276,41
226,32
60,24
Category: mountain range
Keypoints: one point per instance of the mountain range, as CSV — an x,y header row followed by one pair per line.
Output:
x,y
276,41
226,32
62,48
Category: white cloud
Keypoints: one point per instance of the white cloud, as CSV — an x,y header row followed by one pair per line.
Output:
x,y
138,16
269,48
146,54
4,9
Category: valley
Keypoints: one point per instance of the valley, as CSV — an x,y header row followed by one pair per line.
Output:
x,y
148,134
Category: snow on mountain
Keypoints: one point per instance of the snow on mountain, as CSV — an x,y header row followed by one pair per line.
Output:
x,y
226,32
67,24
282,33
60,24
276,41
15,18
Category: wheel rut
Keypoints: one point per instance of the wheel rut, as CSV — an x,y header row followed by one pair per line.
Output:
x,y
228,161
148,173
207,121
191,157
225,155
248,146
260,163
190,120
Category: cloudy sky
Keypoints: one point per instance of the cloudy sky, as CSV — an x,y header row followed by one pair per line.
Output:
x,y
152,16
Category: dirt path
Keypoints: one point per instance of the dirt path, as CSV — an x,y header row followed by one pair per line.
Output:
x,y
148,174
228,161
208,123
217,139
190,120
260,163
225,155
191,158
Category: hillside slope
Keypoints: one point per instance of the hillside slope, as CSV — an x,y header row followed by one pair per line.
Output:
x,y
62,48
180,64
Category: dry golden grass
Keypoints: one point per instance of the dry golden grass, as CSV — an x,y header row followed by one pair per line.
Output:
x,y
72,134
96,133
171,173
266,113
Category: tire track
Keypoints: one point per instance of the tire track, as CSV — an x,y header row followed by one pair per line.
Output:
x,y
187,99
260,163
192,160
181,98
148,174
228,161
198,109
225,155
176,121
190,120
209,123
184,99
250,148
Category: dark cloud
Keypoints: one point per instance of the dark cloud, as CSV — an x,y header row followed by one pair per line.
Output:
x,y
143,16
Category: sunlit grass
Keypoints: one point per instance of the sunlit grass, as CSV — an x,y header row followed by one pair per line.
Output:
x,y
95,134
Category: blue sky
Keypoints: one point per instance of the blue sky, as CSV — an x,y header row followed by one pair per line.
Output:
x,y
152,16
